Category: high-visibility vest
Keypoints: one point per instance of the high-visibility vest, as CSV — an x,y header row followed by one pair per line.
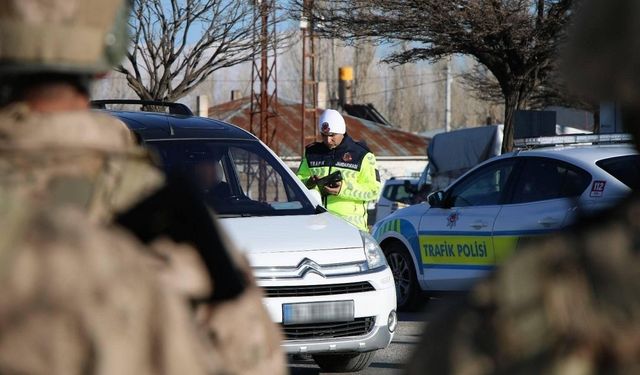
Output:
x,y
360,177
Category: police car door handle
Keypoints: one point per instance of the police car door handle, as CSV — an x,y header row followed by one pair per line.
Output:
x,y
478,225
547,221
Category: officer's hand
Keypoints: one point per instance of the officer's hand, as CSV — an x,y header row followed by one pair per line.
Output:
x,y
312,181
333,189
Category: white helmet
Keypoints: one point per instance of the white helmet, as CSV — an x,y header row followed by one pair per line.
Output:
x,y
331,121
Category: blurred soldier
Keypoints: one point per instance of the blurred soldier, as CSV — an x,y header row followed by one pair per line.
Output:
x,y
56,154
79,298
568,303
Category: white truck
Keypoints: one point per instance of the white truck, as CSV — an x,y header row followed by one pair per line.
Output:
x,y
453,153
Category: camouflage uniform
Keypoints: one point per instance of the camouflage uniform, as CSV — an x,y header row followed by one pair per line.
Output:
x,y
243,333
112,300
96,166
81,158
67,310
568,303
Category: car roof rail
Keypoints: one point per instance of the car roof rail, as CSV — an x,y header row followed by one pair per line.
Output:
x,y
572,139
174,108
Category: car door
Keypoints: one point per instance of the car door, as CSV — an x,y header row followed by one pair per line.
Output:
x,y
456,238
383,206
544,197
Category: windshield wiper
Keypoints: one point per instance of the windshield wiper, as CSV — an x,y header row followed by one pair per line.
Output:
x,y
244,214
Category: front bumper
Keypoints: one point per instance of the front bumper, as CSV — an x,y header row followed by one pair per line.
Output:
x,y
374,307
379,338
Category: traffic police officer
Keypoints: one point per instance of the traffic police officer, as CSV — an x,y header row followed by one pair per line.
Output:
x,y
356,163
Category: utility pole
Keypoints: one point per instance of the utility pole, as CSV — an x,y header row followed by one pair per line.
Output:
x,y
309,89
447,101
264,101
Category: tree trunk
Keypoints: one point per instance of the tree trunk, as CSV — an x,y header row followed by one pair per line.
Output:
x,y
511,105
596,120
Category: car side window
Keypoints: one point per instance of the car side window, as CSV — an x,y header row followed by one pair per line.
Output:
x,y
624,168
402,195
543,179
257,178
483,187
389,192
397,193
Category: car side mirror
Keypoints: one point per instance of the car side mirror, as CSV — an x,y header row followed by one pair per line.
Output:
x,y
316,198
436,199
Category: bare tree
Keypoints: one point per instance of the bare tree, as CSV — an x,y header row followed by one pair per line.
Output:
x,y
177,44
550,91
516,40
554,90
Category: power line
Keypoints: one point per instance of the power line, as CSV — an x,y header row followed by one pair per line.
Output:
x,y
298,80
403,87
358,96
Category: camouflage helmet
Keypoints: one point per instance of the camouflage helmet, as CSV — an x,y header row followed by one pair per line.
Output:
x,y
62,36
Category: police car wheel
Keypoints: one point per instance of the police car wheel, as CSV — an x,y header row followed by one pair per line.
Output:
x,y
404,276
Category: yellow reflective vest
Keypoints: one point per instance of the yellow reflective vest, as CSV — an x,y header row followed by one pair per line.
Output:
x,y
360,177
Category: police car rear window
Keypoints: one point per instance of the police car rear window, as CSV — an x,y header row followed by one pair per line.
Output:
x,y
543,179
624,168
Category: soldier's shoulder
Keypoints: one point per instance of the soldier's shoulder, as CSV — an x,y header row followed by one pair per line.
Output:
x,y
22,127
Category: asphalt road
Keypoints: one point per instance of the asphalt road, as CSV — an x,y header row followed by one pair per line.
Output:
x,y
393,359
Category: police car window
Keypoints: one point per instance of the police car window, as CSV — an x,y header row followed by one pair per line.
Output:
x,y
483,187
624,168
543,179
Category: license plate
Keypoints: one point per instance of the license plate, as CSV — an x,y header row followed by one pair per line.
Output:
x,y
317,312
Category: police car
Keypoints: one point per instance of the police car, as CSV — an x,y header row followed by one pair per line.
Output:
x,y
326,283
463,232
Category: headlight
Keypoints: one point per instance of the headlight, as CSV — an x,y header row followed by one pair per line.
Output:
x,y
373,252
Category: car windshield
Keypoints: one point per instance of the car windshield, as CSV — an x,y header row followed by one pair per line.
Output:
x,y
236,178
624,168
